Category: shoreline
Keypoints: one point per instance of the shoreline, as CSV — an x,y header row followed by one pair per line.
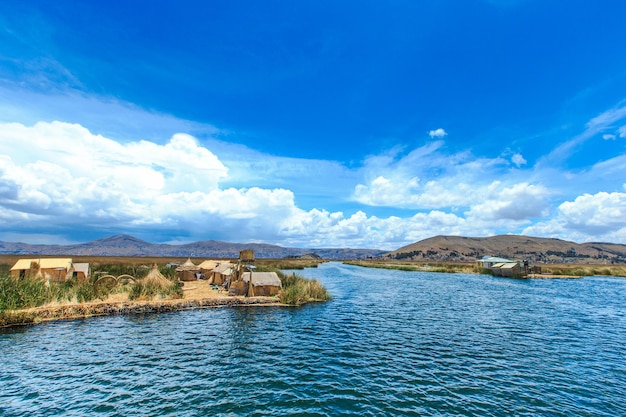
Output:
x,y
77,311
553,271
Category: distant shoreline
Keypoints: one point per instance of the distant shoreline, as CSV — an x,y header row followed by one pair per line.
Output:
x,y
550,271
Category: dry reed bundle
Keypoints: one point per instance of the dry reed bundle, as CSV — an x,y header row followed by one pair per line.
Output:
x,y
156,278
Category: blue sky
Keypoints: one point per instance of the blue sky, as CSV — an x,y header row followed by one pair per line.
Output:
x,y
312,123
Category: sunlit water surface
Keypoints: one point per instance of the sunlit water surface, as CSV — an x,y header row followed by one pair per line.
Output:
x,y
390,343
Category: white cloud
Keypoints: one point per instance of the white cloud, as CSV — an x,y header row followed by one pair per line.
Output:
x,y
437,133
518,160
622,131
520,203
590,217
608,136
427,179
59,177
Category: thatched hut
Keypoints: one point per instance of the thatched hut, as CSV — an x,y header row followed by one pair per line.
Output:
x,y
82,271
187,271
25,268
206,269
50,269
222,273
262,283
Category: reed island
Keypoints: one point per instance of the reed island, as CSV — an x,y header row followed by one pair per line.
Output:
x,y
35,290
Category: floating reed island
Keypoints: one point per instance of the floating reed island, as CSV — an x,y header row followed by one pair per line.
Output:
x,y
44,289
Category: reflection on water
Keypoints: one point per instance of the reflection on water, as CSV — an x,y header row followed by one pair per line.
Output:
x,y
390,343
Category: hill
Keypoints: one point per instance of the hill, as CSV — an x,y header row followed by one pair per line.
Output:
x,y
125,245
533,249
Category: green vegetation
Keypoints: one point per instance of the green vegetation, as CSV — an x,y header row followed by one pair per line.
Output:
x,y
443,267
578,270
16,294
286,263
298,290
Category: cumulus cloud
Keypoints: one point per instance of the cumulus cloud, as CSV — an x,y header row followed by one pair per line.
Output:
x,y
520,202
57,178
427,179
437,133
63,171
589,217
60,177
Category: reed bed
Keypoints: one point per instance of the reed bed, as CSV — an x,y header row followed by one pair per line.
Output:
x,y
147,289
298,290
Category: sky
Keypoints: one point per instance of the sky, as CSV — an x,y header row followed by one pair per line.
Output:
x,y
362,124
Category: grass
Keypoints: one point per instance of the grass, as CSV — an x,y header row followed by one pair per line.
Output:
x,y
579,270
19,294
16,294
442,267
150,290
298,290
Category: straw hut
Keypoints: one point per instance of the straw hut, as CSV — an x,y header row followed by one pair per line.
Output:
x,y
222,273
49,269
263,283
507,269
82,271
187,271
55,269
24,268
206,269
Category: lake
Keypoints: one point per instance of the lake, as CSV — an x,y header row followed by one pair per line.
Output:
x,y
389,343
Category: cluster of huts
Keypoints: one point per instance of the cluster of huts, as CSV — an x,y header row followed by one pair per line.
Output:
x,y
51,269
238,278
502,267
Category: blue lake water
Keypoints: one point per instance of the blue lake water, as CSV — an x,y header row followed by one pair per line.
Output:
x,y
390,343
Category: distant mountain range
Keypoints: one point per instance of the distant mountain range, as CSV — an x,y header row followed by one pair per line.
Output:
x,y
533,249
438,248
124,245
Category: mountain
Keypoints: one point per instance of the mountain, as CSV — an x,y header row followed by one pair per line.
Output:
x,y
125,245
533,249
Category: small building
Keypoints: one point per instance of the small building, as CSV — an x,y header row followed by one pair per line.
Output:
x,y
206,269
187,271
49,269
222,273
507,269
262,283
487,262
82,271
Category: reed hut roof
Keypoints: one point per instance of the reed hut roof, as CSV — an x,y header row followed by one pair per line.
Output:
x,y
23,264
223,268
208,265
82,267
261,279
56,263
187,266
44,263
